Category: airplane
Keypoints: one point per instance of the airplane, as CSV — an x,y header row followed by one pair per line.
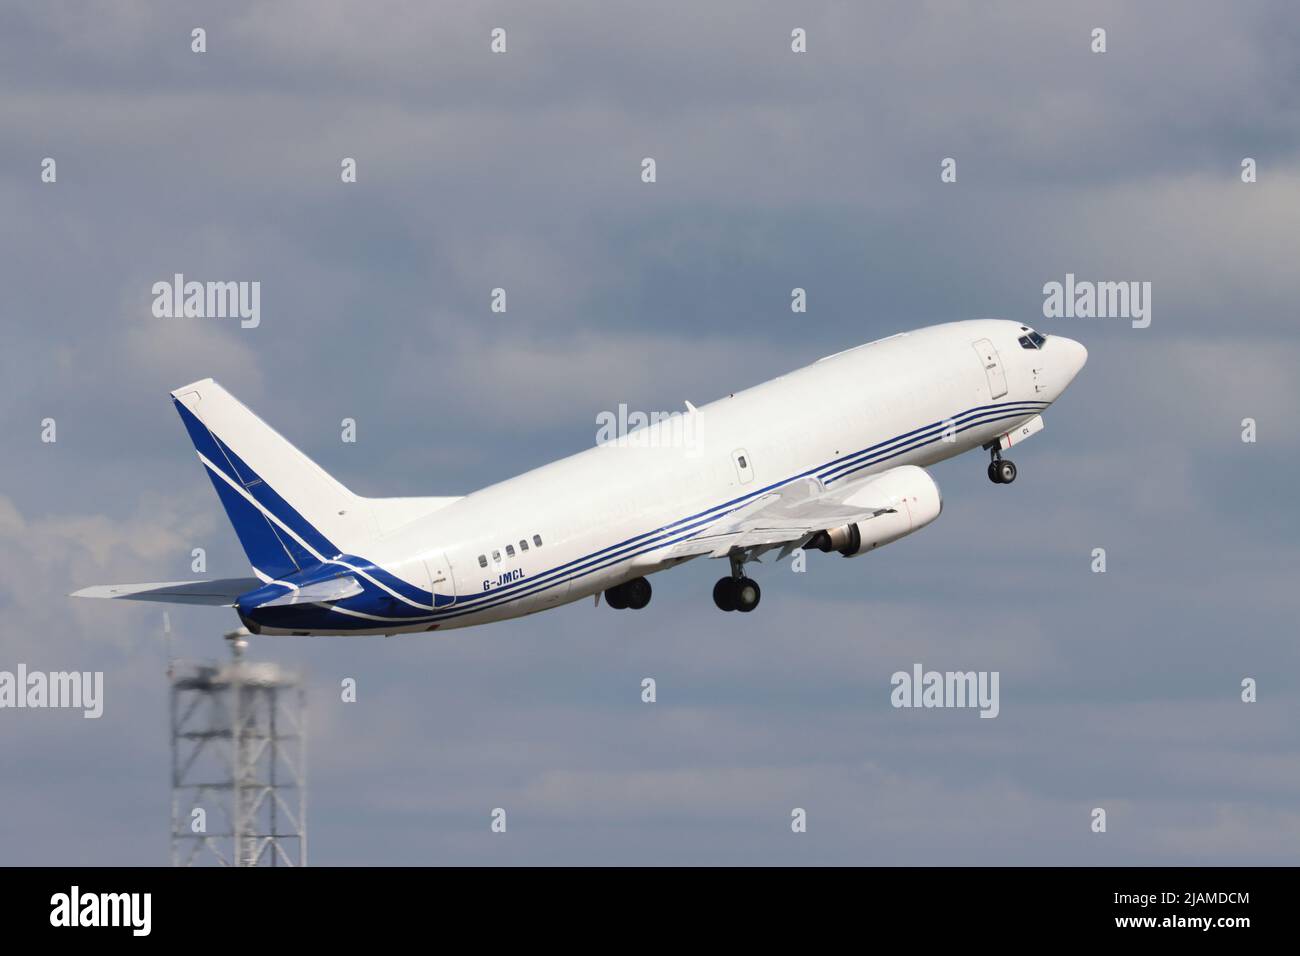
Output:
x,y
830,457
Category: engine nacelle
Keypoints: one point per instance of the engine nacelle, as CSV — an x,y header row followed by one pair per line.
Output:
x,y
909,490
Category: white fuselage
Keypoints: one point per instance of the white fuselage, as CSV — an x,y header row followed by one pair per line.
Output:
x,y
607,514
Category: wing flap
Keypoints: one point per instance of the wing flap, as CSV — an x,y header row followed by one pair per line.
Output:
x,y
789,514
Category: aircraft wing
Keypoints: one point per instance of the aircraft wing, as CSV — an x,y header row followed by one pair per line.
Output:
x,y
786,516
218,593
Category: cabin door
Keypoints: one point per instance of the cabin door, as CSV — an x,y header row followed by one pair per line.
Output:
x,y
441,583
992,368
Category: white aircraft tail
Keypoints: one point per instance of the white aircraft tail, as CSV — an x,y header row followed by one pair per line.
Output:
x,y
288,512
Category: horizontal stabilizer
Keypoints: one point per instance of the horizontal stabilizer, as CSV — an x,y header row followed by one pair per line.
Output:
x,y
219,593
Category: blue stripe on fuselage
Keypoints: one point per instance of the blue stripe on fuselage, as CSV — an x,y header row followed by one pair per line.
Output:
x,y
663,536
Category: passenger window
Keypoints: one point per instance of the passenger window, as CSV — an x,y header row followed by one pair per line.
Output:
x,y
523,544
482,560
496,556
510,551
537,540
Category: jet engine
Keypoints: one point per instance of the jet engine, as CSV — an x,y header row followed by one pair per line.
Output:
x,y
913,501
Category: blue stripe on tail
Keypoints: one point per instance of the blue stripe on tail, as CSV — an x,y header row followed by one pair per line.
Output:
x,y
269,548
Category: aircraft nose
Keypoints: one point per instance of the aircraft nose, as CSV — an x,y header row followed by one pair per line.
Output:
x,y
1073,355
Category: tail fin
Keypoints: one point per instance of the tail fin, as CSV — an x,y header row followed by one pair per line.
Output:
x,y
288,512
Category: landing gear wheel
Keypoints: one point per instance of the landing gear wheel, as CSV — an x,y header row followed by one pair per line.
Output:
x,y
726,594
637,593
747,595
993,473
1006,471
616,598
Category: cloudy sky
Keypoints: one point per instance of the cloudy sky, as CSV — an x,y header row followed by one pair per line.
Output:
x,y
775,170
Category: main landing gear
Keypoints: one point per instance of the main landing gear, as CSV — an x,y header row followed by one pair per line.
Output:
x,y
737,592
634,594
1001,471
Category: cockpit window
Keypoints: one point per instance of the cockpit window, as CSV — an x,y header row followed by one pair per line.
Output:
x,y
1037,338
1033,340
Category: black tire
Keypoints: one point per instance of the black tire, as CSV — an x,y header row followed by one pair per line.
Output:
x,y
748,594
993,473
1006,472
725,594
616,597
637,591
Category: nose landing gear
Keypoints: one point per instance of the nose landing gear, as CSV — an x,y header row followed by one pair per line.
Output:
x,y
1001,470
